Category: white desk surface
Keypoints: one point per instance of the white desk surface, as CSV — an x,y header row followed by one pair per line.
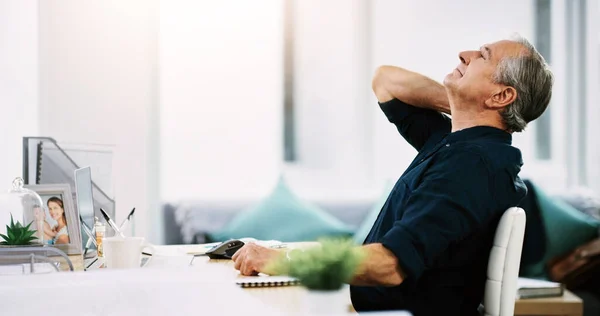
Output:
x,y
168,285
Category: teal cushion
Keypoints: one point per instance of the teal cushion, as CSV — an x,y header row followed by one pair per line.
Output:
x,y
566,228
365,227
285,217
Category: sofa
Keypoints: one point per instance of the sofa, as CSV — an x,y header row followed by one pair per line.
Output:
x,y
191,221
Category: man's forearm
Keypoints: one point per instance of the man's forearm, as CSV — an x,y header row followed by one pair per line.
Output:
x,y
379,268
415,89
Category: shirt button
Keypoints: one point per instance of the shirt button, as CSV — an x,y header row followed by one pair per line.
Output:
x,y
447,145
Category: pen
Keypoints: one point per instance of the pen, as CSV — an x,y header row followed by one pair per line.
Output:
x,y
126,220
111,223
89,265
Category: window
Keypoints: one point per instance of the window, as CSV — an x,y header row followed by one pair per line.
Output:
x,y
289,144
543,43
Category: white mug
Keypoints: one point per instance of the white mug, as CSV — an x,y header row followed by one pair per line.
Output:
x,y
124,253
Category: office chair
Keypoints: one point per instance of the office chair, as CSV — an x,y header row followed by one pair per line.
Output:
x,y
503,265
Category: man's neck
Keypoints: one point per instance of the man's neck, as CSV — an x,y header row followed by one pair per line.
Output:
x,y
462,119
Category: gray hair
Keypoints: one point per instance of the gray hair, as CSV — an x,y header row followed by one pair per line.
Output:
x,y
530,75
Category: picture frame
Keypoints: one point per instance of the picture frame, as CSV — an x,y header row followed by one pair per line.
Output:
x,y
60,218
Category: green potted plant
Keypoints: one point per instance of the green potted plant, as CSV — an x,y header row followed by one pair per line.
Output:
x,y
323,270
18,235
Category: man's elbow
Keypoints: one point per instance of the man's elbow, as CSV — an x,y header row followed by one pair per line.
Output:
x,y
380,84
391,82
378,78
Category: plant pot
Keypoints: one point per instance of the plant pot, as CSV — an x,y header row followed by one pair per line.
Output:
x,y
321,302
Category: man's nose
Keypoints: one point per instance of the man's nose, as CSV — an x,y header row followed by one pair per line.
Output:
x,y
466,56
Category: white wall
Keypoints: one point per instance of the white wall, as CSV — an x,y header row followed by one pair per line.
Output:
x,y
220,95
98,85
332,88
221,98
18,83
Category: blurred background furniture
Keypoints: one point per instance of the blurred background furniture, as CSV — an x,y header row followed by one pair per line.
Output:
x,y
192,221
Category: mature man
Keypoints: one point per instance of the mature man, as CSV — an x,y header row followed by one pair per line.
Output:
x,y
428,249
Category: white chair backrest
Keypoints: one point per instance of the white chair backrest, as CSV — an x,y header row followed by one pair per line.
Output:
x,y
503,265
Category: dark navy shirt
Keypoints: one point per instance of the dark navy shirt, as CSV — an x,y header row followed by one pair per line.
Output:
x,y
441,216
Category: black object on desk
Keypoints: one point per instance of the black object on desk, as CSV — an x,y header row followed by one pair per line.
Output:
x,y
225,250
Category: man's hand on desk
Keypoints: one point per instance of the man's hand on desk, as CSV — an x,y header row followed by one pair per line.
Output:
x,y
380,268
252,259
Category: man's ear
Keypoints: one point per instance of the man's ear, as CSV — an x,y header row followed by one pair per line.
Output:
x,y
502,98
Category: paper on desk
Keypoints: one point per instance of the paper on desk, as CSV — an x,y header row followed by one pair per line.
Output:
x,y
525,283
198,249
264,243
532,288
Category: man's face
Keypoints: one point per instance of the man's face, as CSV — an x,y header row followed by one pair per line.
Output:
x,y
472,81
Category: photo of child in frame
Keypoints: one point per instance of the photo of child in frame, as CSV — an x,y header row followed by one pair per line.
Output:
x,y
52,221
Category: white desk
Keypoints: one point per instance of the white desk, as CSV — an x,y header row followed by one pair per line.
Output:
x,y
167,286
148,291
175,286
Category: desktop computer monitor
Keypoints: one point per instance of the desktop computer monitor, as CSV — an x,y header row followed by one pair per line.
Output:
x,y
85,202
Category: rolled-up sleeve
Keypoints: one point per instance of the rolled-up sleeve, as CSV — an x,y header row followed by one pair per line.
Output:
x,y
415,124
447,207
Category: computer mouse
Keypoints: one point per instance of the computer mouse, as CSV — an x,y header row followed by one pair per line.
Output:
x,y
225,250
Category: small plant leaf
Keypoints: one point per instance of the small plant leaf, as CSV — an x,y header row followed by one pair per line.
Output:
x,y
17,234
30,233
28,241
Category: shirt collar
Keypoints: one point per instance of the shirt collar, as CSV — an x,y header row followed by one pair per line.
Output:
x,y
481,132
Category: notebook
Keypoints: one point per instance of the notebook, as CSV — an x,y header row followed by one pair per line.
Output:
x,y
267,281
532,288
